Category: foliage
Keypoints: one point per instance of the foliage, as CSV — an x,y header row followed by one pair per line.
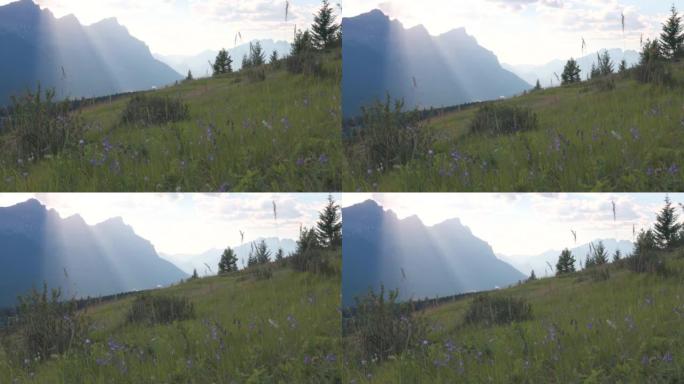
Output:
x,y
153,110
329,225
160,309
228,262
672,36
383,328
262,255
47,326
652,68
566,263
571,73
667,227
324,31
223,63
491,310
501,119
605,64
38,127
257,57
307,62
598,256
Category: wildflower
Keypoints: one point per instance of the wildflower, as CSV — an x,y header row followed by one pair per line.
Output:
x,y
557,143
307,360
300,162
286,123
323,159
590,325
225,187
645,360
81,142
673,170
431,153
667,357
331,358
114,346
650,171
292,321
425,342
456,156
635,133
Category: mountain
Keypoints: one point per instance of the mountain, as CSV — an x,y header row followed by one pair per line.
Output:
x,y
420,261
545,72
199,64
188,263
78,61
381,56
37,245
538,263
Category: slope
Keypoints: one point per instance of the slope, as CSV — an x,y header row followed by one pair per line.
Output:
x,y
246,329
626,328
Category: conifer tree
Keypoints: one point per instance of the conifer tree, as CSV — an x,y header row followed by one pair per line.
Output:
x,y
223,63
605,64
571,72
667,226
274,58
228,261
302,43
600,256
246,63
617,256
672,37
189,77
325,29
194,274
623,66
594,73
256,54
280,254
538,86
533,276
262,254
329,226
566,262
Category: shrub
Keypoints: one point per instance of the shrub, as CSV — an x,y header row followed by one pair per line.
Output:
x,y
388,136
489,310
256,74
151,310
152,110
599,273
306,62
381,327
497,119
263,273
39,126
46,326
647,261
312,260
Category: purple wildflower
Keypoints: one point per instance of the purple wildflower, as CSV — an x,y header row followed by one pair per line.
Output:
x,y
323,159
673,170
667,357
635,133
307,360
300,162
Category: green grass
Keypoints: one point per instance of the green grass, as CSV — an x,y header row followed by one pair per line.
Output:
x,y
629,138
282,330
280,134
627,329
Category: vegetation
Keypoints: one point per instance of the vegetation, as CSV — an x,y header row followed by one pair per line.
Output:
x,y
594,135
566,263
153,310
269,128
488,310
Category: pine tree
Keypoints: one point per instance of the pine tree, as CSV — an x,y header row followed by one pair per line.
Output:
x,y
566,262
228,261
302,43
329,226
273,60
262,254
617,256
650,52
256,55
538,86
571,72
533,276
623,66
324,28
605,64
189,77
594,73
667,226
245,62
280,254
251,260
194,274
307,240
672,37
600,256
223,63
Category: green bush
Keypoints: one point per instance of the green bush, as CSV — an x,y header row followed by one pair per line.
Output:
x,y
46,326
380,327
307,62
151,310
256,74
39,126
499,119
490,310
153,110
312,260
647,261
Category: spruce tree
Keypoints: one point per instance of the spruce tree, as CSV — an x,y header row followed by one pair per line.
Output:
x,y
280,254
594,73
571,72
256,54
329,226
605,64
623,66
324,28
302,43
228,261
194,274
600,256
538,86
223,63
672,37
533,276
646,241
307,240
273,60
667,226
262,254
566,262
245,62
617,256
189,77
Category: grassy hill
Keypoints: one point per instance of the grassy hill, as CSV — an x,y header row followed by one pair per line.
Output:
x,y
586,327
257,130
588,137
247,328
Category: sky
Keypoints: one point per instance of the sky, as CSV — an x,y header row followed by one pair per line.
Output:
x,y
530,224
532,31
190,223
188,27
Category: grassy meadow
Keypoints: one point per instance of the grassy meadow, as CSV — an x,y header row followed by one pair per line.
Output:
x,y
589,137
248,327
263,129
585,327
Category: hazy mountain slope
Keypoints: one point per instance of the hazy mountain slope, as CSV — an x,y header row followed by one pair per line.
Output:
x,y
545,72
381,56
78,61
199,64
420,261
39,246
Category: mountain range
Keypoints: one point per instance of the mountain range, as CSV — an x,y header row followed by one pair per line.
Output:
x,y
527,263
545,73
199,262
199,64
37,245
418,260
76,60
381,56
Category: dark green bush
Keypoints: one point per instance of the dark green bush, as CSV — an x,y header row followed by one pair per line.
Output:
x,y
307,62
46,326
39,126
256,74
381,327
647,261
654,72
312,260
494,310
499,119
151,310
152,110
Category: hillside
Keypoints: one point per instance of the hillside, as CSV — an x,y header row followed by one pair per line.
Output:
x,y
628,328
589,137
246,329
381,55
263,129
78,61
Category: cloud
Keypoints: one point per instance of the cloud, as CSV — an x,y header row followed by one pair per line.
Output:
x,y
519,5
